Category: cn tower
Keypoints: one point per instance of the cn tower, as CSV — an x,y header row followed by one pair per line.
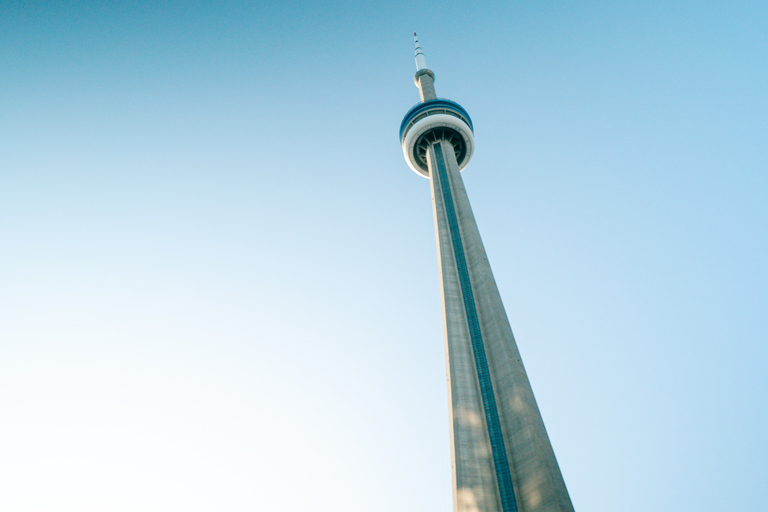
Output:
x,y
501,457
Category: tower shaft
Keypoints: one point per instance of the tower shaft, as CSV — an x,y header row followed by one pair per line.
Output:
x,y
501,455
425,81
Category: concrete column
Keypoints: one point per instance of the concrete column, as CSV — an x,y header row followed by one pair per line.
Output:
x,y
478,470
425,80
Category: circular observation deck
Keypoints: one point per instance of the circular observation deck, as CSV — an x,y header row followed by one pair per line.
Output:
x,y
431,121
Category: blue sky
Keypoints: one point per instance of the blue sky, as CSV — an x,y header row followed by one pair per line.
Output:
x,y
219,287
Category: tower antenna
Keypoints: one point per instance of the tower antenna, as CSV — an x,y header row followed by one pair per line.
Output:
x,y
421,61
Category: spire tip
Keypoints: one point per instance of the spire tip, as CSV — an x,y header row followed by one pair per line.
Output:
x,y
421,62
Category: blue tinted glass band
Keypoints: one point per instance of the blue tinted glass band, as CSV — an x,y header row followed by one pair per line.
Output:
x,y
500,461
431,105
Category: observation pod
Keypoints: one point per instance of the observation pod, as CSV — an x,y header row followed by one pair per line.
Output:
x,y
433,120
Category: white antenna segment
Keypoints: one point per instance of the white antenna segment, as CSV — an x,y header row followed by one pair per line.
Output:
x,y
421,61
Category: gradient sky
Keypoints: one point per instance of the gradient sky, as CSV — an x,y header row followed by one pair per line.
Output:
x,y
219,285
